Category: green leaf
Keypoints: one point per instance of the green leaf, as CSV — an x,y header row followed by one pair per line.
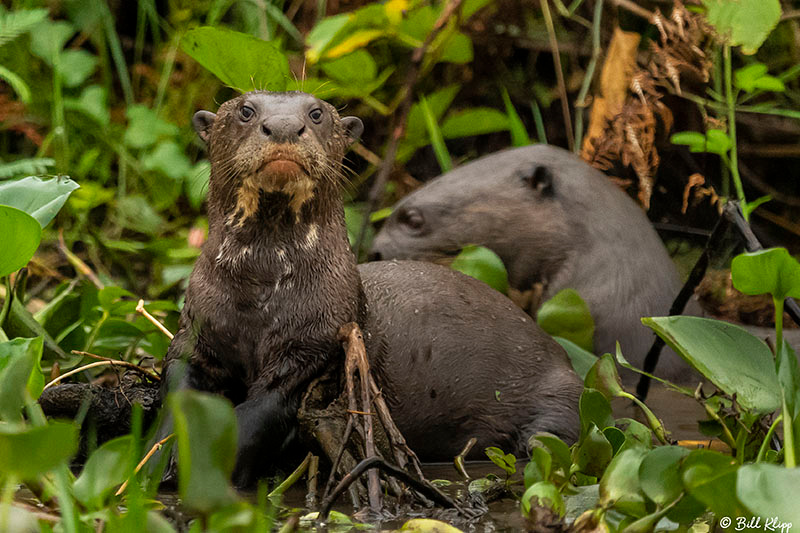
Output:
x,y
40,198
205,426
539,467
714,141
323,34
28,453
435,135
355,68
557,448
733,359
473,121
542,494
519,135
659,474
168,159
145,128
136,213
595,409
483,264
457,49
92,103
743,22
239,60
749,207
196,183
76,66
48,39
567,315
105,469
603,377
593,453
506,461
438,102
21,236
770,491
710,477
619,486
15,23
21,379
581,359
771,271
754,76
20,167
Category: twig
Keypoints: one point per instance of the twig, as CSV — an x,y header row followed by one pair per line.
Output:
x,y
426,489
140,309
93,365
312,477
401,119
562,87
293,477
458,462
77,263
143,371
157,446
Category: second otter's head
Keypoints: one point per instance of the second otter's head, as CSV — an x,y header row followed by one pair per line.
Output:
x,y
265,142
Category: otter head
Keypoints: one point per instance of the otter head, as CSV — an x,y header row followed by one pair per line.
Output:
x,y
265,142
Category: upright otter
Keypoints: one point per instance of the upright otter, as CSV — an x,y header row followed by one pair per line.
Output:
x,y
555,222
276,279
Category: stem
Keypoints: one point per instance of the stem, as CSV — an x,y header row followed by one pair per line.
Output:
x,y
95,331
762,451
9,488
562,88
652,420
580,104
731,107
778,303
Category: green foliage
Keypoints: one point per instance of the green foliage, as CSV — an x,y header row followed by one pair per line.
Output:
x,y
483,264
21,239
566,315
40,198
745,23
713,142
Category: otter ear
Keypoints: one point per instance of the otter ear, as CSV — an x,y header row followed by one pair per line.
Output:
x,y
202,122
540,179
353,128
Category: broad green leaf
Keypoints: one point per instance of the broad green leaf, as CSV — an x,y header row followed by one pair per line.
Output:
x,y
567,315
145,128
28,453
714,141
729,356
542,494
519,135
581,359
483,264
21,379
557,448
710,477
40,198
105,469
619,486
92,103
239,60
15,23
356,68
743,22
773,271
457,49
506,461
770,491
48,39
603,377
473,121
21,236
76,66
659,474
593,453
323,33
594,409
205,426
539,467
168,159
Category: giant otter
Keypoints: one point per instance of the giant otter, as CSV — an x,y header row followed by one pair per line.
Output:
x,y
276,280
556,222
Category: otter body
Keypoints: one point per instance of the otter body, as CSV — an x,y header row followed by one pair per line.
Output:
x,y
556,223
277,279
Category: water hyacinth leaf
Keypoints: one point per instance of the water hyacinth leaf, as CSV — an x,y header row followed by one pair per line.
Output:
x,y
745,23
636,434
773,271
559,451
506,461
567,315
593,453
105,469
239,60
28,453
710,477
659,474
594,409
769,491
542,494
483,264
733,359
619,486
21,236
41,198
474,121
539,467
616,437
21,379
582,360
205,426
603,377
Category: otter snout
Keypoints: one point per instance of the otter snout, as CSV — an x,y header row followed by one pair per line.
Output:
x,y
283,128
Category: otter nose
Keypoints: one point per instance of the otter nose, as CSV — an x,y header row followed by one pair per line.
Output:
x,y
283,128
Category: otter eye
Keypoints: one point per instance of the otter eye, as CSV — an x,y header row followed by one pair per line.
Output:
x,y
411,218
316,115
246,113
